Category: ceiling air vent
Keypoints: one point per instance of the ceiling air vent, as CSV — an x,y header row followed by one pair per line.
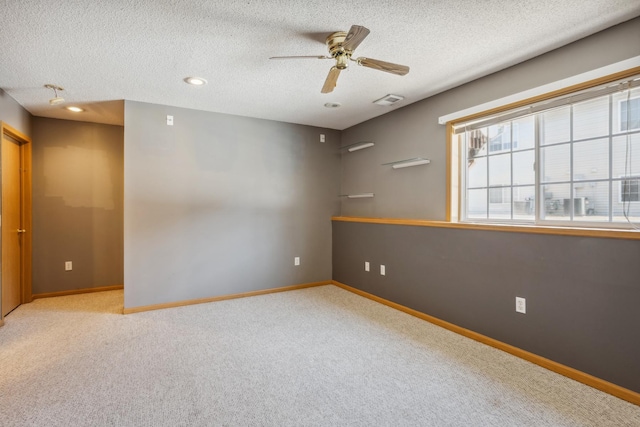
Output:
x,y
389,100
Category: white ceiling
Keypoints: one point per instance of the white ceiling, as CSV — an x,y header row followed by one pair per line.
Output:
x,y
104,51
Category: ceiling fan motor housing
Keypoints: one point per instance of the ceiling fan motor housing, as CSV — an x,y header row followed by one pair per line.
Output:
x,y
334,43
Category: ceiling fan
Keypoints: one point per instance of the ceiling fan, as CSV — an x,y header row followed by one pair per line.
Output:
x,y
341,46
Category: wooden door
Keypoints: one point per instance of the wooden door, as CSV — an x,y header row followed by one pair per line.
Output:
x,y
15,220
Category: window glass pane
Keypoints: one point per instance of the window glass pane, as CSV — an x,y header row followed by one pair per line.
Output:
x,y
556,163
591,118
500,202
524,133
500,170
499,137
626,155
629,189
591,159
524,203
476,143
626,110
626,198
556,196
555,126
630,114
477,172
477,204
591,201
523,170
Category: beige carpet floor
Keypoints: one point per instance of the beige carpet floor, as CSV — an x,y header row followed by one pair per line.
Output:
x,y
314,357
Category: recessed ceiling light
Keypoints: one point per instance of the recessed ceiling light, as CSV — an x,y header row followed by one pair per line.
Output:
x,y
333,105
75,109
196,81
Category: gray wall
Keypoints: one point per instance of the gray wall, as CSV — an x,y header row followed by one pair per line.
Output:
x,y
581,293
413,131
13,114
220,204
77,204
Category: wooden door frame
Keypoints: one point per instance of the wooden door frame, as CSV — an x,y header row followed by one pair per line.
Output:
x,y
26,211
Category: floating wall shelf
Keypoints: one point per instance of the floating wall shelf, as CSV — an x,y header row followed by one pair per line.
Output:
x,y
357,196
358,146
408,163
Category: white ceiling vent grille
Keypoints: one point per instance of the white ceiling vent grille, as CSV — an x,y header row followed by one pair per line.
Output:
x,y
389,100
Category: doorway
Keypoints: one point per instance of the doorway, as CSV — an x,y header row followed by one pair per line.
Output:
x,y
15,219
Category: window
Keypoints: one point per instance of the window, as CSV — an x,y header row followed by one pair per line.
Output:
x,y
571,160
630,189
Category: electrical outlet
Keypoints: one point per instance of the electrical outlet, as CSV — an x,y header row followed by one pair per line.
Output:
x,y
383,270
322,137
68,266
169,120
296,261
521,305
366,266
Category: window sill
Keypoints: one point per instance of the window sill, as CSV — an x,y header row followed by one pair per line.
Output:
x,y
519,228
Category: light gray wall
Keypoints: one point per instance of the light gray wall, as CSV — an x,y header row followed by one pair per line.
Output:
x,y
220,204
77,205
13,114
581,292
413,131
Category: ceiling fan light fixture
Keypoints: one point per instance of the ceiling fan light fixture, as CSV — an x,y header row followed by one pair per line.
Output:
x,y
388,100
333,105
195,81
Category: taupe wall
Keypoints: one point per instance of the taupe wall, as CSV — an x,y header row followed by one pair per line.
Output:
x,y
77,205
413,131
581,293
220,204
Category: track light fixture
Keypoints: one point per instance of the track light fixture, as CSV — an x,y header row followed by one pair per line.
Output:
x,y
56,99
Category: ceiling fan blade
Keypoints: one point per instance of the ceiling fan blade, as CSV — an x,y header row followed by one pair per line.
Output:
x,y
355,36
331,81
302,57
387,67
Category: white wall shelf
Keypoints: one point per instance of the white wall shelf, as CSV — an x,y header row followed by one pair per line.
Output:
x,y
357,196
416,161
358,146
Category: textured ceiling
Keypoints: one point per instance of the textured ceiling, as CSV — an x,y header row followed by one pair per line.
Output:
x,y
104,51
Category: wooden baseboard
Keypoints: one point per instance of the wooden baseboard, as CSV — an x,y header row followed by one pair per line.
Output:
x,y
77,291
142,308
574,374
